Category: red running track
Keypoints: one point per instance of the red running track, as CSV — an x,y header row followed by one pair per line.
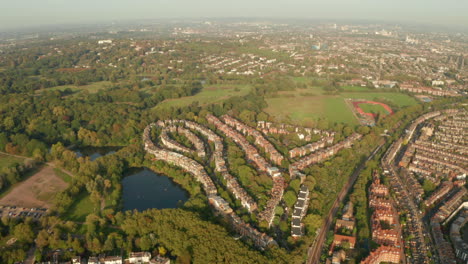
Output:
x,y
361,112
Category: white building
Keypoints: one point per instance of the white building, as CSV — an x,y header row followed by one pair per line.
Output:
x,y
105,41
139,257
93,260
113,260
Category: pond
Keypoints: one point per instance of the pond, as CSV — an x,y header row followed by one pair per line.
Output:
x,y
144,189
95,152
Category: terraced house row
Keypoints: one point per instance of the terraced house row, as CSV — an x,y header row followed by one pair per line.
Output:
x,y
384,225
220,165
460,245
433,156
300,210
250,151
220,205
172,144
322,155
343,233
427,90
451,203
424,158
410,179
303,133
231,183
412,128
276,194
438,194
275,156
252,154
180,160
384,214
311,147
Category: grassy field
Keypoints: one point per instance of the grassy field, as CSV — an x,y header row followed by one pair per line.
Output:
x,y
371,108
306,109
81,207
398,99
7,161
91,88
65,177
305,105
356,89
209,94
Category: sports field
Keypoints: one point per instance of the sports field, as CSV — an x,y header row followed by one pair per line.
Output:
x,y
208,95
374,109
38,190
306,109
305,105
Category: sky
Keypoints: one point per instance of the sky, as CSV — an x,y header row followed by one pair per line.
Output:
x,y
31,13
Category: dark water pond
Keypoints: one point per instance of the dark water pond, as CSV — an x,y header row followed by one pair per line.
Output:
x,y
144,189
95,152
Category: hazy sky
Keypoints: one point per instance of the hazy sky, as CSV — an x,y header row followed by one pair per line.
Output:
x,y
25,13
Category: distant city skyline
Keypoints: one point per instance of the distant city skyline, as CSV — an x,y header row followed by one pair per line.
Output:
x,y
29,13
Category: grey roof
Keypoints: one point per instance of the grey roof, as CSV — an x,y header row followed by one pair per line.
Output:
x,y
296,231
296,222
302,195
297,212
300,203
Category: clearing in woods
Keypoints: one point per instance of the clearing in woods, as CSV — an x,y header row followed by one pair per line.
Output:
x,y
38,190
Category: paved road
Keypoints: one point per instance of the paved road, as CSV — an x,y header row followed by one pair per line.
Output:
x,y
315,250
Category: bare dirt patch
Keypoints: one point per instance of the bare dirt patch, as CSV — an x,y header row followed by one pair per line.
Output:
x,y
38,190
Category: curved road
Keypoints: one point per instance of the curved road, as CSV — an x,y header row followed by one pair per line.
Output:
x,y
314,252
